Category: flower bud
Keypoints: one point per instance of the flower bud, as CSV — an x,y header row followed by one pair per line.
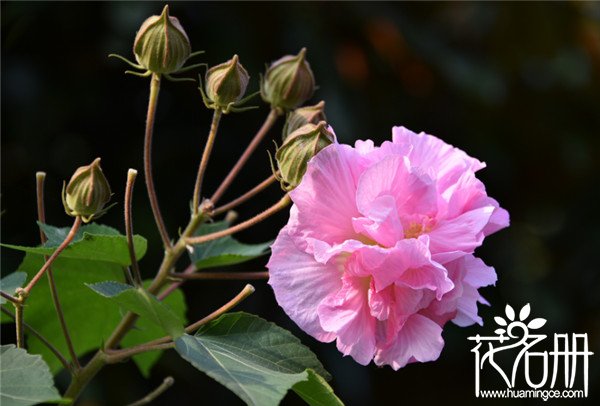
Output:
x,y
298,148
87,192
226,83
289,82
161,45
303,115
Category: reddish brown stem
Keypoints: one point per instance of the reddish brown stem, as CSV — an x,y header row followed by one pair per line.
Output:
x,y
264,129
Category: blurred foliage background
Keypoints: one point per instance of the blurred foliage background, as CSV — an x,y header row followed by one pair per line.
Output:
x,y
514,84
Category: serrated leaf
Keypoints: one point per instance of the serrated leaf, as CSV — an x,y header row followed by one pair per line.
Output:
x,y
145,330
510,312
89,317
10,283
92,242
256,359
536,323
25,379
525,311
500,321
224,251
142,303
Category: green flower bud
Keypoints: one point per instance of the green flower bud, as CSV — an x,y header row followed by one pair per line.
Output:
x,y
303,115
289,82
226,83
87,192
298,148
161,45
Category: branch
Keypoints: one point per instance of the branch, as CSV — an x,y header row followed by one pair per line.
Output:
x,y
280,205
246,196
220,275
152,103
40,177
264,129
131,175
166,384
40,337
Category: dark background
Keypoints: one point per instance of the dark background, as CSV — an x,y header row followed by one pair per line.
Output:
x,y
514,84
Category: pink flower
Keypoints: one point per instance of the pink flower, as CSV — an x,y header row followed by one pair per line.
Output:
x,y
378,250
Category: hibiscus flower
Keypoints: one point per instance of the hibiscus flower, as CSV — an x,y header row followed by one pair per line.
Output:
x,y
378,251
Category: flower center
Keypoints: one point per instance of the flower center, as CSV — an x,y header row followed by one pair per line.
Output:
x,y
415,229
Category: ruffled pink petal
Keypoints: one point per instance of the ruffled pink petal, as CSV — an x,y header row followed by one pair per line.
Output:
x,y
413,191
346,314
419,339
429,151
463,233
326,198
477,273
381,223
408,264
300,284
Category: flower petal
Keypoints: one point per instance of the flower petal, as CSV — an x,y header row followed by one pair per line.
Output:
x,y
420,339
347,314
463,233
326,198
300,284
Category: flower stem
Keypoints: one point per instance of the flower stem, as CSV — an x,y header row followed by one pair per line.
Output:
x,y
131,175
85,375
116,356
280,205
244,293
55,254
166,384
264,129
220,275
204,161
41,211
19,325
43,339
246,196
152,103
8,297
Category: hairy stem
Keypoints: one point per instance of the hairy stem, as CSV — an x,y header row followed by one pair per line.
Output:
x,y
166,384
220,275
204,161
264,129
43,339
55,254
152,103
280,205
41,211
246,196
131,175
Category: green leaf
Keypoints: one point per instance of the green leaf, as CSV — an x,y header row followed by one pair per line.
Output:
x,y
145,330
316,391
10,283
225,250
89,317
142,303
257,360
92,242
25,379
